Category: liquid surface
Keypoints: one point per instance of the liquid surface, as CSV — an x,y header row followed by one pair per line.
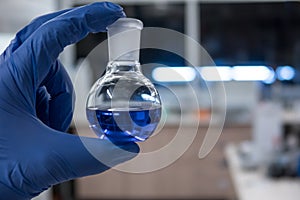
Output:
x,y
117,124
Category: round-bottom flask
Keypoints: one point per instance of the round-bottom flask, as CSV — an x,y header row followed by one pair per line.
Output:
x,y
123,105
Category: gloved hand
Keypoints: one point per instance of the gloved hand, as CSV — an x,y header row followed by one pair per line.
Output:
x,y
36,103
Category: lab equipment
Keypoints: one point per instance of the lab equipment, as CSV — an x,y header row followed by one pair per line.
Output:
x,y
36,106
123,105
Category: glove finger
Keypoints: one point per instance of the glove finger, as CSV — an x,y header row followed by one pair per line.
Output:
x,y
40,157
64,157
24,33
62,97
32,61
96,155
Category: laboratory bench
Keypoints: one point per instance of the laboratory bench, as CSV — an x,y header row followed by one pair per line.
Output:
x,y
187,178
255,184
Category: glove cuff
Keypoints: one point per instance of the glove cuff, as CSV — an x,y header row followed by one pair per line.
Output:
x,y
11,194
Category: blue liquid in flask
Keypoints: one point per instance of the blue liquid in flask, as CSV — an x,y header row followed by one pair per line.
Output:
x,y
124,124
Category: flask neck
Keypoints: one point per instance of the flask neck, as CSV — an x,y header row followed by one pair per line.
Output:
x,y
124,46
124,39
123,66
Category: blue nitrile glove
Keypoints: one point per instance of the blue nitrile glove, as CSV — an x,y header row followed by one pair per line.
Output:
x,y
36,103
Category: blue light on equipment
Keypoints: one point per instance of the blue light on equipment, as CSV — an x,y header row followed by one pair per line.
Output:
x,y
285,73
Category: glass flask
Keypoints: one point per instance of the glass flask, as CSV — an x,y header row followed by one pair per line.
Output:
x,y
123,105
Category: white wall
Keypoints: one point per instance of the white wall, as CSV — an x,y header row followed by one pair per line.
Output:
x,y
14,14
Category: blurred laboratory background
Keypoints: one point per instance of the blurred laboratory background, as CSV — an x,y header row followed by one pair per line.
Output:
x,y
254,46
